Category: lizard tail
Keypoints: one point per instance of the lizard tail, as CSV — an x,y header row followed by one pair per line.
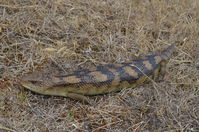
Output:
x,y
165,54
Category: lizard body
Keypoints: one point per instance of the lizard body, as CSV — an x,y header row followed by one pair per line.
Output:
x,y
99,80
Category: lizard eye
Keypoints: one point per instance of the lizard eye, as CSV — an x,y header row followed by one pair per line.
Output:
x,y
33,82
36,82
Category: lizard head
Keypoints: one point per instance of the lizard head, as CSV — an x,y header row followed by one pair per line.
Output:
x,y
37,82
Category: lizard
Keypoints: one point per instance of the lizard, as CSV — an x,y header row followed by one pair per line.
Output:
x,y
101,79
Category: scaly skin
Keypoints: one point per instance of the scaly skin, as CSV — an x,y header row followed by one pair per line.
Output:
x,y
99,80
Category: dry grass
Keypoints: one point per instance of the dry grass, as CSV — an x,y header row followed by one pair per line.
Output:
x,y
63,35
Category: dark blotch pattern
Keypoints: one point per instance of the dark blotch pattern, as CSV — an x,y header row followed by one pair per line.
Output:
x,y
139,66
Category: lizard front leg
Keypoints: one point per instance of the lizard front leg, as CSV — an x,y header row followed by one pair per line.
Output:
x,y
79,97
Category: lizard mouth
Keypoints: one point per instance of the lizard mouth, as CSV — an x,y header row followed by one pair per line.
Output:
x,y
31,85
27,85
34,85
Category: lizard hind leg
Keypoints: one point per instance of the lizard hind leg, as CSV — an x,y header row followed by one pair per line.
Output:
x,y
79,97
156,73
163,69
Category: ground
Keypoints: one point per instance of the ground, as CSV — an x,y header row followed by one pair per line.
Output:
x,y
62,35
